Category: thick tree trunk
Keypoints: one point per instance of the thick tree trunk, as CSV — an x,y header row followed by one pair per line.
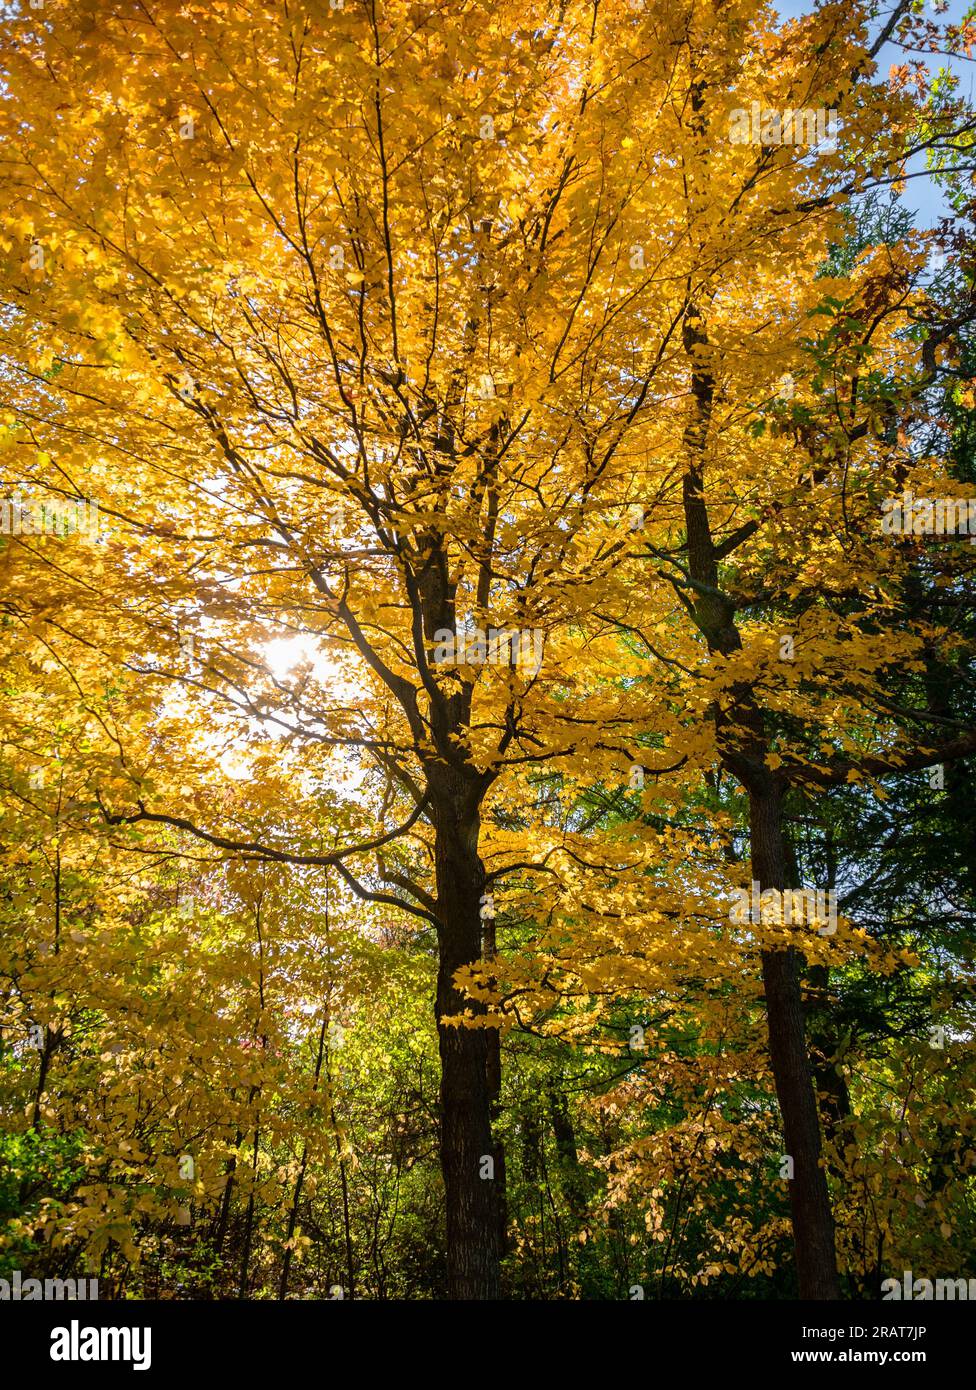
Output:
x,y
740,728
468,1155
813,1223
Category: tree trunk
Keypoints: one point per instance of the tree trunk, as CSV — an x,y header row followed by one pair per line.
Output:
x,y
742,742
813,1223
468,1156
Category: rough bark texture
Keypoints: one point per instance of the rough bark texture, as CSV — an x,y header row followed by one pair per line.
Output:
x,y
743,746
470,1062
813,1224
471,1199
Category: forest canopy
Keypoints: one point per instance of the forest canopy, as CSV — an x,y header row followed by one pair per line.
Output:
x,y
488,604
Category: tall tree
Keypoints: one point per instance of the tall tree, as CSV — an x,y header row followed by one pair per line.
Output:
x,y
372,326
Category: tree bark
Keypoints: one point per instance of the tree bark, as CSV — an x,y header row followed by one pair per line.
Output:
x,y
813,1222
743,747
467,1148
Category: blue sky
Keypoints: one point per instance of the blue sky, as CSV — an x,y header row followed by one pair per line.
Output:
x,y
920,193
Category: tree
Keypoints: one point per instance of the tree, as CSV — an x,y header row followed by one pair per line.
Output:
x,y
401,312
368,325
